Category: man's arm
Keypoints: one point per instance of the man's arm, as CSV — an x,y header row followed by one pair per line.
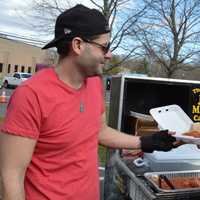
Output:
x,y
116,139
15,155
160,141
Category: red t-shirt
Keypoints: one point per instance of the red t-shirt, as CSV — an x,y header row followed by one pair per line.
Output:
x,y
64,164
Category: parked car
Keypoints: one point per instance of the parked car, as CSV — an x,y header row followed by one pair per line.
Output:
x,y
15,79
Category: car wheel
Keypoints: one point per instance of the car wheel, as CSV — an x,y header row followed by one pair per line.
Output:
x,y
5,84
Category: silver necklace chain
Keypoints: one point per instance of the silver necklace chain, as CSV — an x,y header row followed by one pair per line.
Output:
x,y
81,106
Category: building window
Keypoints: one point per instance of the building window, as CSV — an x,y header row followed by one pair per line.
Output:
x,y
9,67
22,69
29,69
1,67
16,68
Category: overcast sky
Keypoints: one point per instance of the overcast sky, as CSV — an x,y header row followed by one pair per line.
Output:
x,y
10,20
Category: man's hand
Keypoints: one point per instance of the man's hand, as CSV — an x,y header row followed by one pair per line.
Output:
x,y
160,141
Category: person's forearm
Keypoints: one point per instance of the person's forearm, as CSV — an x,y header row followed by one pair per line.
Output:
x,y
15,156
12,186
115,139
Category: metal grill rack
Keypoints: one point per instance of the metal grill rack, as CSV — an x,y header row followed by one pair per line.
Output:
x,y
138,192
140,189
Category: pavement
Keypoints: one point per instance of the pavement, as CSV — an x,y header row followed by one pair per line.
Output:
x,y
4,105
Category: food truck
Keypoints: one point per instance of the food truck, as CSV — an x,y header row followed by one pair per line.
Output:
x,y
134,175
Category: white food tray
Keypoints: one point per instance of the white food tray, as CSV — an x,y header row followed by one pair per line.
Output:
x,y
174,119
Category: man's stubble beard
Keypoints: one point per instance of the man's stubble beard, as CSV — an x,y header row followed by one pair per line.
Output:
x,y
92,68
89,70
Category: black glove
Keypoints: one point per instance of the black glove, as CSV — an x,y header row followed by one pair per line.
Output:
x,y
160,141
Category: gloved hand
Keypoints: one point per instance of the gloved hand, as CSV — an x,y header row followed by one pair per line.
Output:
x,y
160,141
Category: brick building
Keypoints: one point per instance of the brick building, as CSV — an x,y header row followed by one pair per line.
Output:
x,y
17,56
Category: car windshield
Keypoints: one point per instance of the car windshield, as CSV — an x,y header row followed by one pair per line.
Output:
x,y
25,75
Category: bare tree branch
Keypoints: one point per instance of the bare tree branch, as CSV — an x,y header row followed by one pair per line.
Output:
x,y
170,32
119,13
98,6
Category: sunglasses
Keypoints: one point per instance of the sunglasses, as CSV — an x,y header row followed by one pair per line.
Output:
x,y
104,49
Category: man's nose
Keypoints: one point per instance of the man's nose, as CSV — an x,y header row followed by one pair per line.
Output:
x,y
108,55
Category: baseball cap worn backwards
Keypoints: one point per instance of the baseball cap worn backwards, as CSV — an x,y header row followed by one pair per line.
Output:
x,y
78,21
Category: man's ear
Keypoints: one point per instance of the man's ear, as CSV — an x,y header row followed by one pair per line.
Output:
x,y
77,45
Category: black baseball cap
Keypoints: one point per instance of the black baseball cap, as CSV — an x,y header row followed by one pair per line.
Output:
x,y
78,21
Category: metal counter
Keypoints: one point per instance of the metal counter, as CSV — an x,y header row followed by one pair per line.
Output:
x,y
139,188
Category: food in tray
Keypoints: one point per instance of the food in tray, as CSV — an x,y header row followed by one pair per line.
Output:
x,y
193,133
176,182
195,126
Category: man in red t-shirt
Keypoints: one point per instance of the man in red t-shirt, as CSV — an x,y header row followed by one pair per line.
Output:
x,y
55,120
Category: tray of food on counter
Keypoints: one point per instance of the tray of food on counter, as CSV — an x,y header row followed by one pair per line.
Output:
x,y
174,181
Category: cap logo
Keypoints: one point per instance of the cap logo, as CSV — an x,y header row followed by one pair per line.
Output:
x,y
67,31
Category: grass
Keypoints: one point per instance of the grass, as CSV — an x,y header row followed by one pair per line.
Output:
x,y
1,119
102,150
102,155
